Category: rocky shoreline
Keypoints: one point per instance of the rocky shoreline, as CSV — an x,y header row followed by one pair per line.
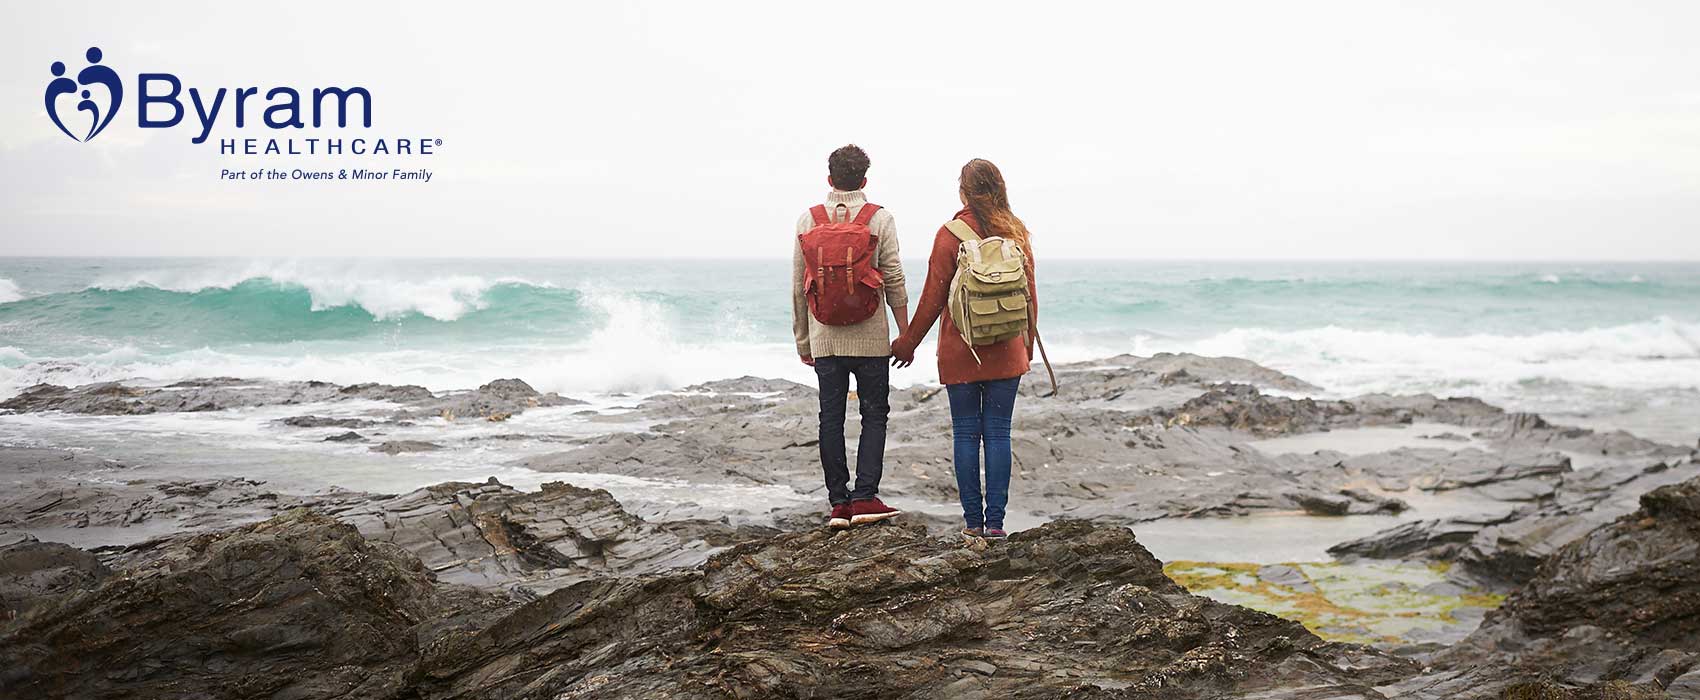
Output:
x,y
229,587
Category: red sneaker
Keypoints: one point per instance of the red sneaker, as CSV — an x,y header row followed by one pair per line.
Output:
x,y
840,517
871,510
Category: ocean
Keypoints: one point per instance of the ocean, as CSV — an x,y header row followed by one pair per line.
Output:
x,y
1609,345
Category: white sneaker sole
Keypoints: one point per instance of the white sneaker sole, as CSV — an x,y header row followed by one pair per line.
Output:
x,y
838,523
866,518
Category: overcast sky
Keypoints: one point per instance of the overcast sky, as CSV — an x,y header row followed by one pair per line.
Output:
x,y
1500,130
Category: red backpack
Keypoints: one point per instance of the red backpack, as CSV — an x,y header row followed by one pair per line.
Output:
x,y
840,280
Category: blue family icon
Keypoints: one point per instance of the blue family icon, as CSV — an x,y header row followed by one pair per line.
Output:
x,y
94,74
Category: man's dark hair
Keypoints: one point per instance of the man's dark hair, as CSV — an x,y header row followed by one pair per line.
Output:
x,y
847,168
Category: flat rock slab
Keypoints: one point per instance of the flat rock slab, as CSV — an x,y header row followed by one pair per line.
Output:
x,y
492,536
502,397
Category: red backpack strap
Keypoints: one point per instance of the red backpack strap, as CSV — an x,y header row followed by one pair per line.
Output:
x,y
819,212
867,213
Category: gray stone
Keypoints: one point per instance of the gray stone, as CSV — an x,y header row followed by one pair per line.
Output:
x,y
394,447
1286,577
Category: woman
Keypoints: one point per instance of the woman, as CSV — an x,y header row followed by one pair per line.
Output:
x,y
981,381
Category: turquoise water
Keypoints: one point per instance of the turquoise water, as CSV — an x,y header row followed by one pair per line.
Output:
x,y
1595,341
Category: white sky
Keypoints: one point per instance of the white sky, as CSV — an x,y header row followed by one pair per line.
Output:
x,y
1320,130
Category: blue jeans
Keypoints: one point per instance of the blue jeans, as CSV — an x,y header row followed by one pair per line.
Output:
x,y
982,412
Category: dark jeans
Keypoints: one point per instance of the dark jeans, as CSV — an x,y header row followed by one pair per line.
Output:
x,y
982,412
873,379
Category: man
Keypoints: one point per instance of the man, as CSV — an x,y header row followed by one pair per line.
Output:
x,y
842,349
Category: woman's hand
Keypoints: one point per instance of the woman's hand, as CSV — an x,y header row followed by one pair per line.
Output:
x,y
902,352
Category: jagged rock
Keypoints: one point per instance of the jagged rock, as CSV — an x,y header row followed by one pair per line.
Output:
x,y
509,396
1287,577
55,503
1241,407
492,536
502,397
1435,469
396,447
112,398
1122,447
1222,369
1615,690
1505,547
888,611
104,398
31,570
299,606
405,394
303,606
1346,502
143,510
748,385
1440,539
1366,503
325,422
1137,381
1322,503
349,436
1615,613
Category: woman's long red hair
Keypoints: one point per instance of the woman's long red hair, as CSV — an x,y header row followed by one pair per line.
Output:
x,y
983,188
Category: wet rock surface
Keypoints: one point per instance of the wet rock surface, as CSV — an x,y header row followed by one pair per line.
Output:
x,y
1506,547
502,397
1614,613
1071,609
562,592
396,447
1127,440
488,535
297,606
32,571
171,504
492,536
303,605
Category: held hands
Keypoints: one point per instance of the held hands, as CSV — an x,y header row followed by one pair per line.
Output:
x,y
902,353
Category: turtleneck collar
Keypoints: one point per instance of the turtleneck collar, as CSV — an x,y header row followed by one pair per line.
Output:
x,y
850,199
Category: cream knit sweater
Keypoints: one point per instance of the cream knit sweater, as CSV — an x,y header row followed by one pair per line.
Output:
x,y
870,338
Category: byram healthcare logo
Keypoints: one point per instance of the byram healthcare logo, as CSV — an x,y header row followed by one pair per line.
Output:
x,y
83,107
95,75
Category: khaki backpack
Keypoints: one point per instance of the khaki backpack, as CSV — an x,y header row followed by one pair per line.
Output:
x,y
988,296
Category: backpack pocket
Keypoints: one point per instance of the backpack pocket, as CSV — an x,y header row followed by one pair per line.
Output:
x,y
994,319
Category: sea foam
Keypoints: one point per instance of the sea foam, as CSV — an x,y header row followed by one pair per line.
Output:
x,y
379,291
1659,353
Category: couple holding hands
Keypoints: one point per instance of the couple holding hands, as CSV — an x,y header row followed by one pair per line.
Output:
x,y
980,280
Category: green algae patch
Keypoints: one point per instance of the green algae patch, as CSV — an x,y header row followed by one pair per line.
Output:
x,y
1377,602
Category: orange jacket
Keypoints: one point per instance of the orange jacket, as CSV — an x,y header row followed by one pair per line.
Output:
x,y
1001,360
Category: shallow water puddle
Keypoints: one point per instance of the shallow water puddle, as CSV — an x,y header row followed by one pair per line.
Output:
x,y
1363,441
1365,602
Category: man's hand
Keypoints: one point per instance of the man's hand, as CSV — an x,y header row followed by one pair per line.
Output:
x,y
807,360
